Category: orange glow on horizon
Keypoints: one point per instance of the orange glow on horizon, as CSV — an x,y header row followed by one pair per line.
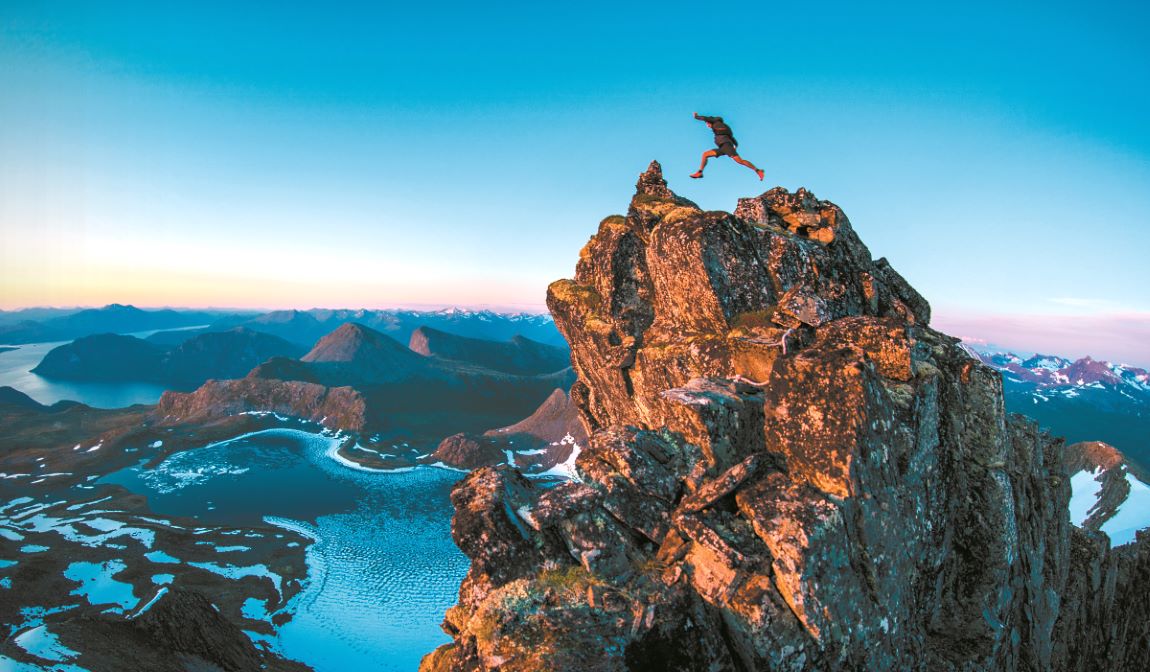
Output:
x,y
147,288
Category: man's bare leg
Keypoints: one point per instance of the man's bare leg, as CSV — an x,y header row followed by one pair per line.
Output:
x,y
741,160
710,153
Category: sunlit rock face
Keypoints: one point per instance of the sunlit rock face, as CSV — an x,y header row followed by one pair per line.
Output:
x,y
787,469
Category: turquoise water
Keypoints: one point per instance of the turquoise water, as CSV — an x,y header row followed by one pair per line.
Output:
x,y
383,568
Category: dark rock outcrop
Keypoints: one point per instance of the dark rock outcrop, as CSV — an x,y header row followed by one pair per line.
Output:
x,y
342,407
181,631
788,469
15,399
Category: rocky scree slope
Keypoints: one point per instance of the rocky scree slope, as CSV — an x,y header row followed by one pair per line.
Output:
x,y
788,469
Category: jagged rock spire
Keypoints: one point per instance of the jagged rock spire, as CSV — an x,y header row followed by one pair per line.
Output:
x,y
654,200
651,183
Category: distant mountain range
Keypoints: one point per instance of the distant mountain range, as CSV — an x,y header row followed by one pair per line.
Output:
x,y
44,325
307,326
1083,400
34,314
302,327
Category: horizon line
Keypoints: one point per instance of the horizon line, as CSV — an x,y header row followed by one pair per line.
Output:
x,y
536,308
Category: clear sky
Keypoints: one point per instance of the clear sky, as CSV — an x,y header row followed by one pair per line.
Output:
x,y
372,154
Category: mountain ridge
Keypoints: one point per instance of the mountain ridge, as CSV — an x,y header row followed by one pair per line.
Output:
x,y
519,355
113,318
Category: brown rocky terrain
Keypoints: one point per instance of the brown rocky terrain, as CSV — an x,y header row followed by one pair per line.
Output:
x,y
788,469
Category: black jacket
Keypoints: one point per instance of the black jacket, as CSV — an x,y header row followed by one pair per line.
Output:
x,y
723,133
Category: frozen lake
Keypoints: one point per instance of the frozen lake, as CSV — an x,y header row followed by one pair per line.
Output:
x,y
383,568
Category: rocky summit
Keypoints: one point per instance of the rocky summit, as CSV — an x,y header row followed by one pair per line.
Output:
x,y
787,469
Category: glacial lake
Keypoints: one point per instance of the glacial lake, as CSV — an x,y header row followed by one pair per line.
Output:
x,y
383,568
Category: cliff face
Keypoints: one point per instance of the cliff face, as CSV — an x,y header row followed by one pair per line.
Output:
x,y
788,469
343,407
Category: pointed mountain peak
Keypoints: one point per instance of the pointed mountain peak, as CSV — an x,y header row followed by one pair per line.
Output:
x,y
651,183
652,186
352,342
353,329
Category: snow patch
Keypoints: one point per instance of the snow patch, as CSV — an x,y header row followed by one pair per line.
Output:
x,y
43,644
1131,516
565,469
159,593
1084,490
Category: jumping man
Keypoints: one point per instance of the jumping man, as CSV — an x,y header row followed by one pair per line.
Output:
x,y
726,143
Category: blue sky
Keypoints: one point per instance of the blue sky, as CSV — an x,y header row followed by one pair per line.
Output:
x,y
348,154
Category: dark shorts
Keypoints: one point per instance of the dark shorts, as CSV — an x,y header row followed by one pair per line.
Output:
x,y
726,149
